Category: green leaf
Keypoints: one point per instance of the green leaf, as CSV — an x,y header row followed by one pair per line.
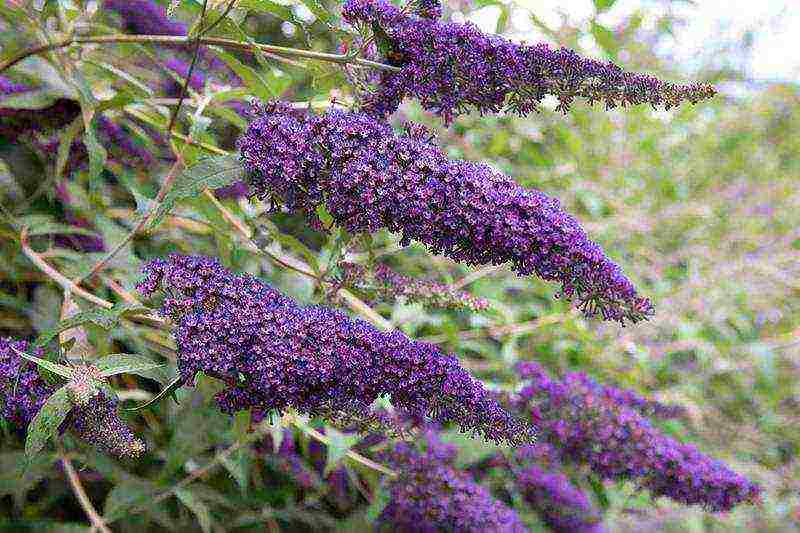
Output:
x,y
55,368
105,318
380,500
292,243
603,5
238,462
126,363
174,385
200,509
211,173
126,496
318,9
46,422
605,38
264,84
338,445
267,6
97,154
66,139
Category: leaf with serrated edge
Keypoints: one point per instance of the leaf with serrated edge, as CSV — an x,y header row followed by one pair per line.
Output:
x,y
46,422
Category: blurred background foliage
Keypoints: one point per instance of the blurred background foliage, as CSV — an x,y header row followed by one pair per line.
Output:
x,y
700,205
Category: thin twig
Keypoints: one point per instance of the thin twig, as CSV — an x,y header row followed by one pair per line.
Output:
x,y
182,40
94,518
67,284
162,193
185,87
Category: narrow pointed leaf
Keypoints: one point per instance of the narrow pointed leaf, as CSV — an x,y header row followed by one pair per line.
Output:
x,y
56,368
46,422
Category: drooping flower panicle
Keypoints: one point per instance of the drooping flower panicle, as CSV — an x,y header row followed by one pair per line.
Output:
x,y
275,354
370,178
431,495
589,427
453,67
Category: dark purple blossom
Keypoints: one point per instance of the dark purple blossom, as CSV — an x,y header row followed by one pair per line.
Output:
x,y
431,495
22,390
122,144
172,87
370,178
234,191
561,505
589,427
453,67
274,354
93,419
430,9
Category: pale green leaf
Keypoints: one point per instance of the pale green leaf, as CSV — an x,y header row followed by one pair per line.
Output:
x,y
196,505
211,173
125,363
46,422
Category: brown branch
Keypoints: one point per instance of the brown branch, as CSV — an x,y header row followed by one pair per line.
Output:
x,y
94,518
68,286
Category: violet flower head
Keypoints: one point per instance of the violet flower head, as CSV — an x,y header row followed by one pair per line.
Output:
x,y
588,427
172,87
430,9
22,389
8,87
145,17
431,495
561,505
370,178
453,67
274,354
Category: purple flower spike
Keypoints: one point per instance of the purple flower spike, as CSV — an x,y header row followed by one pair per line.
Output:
x,y
274,354
587,426
22,390
370,178
452,67
431,495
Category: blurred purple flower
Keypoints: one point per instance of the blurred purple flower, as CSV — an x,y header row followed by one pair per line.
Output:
x,y
431,495
587,426
22,390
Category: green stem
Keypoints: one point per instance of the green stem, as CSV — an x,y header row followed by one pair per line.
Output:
x,y
182,40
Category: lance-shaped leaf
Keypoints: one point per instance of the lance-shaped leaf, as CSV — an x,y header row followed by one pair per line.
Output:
x,y
105,318
174,385
211,173
46,422
56,368
127,363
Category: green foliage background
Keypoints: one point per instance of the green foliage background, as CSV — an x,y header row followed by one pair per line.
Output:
x,y
700,205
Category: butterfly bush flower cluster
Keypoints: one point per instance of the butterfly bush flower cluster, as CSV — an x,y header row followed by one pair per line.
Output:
x,y
369,177
588,426
274,354
562,506
392,285
432,495
94,417
453,67
22,389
